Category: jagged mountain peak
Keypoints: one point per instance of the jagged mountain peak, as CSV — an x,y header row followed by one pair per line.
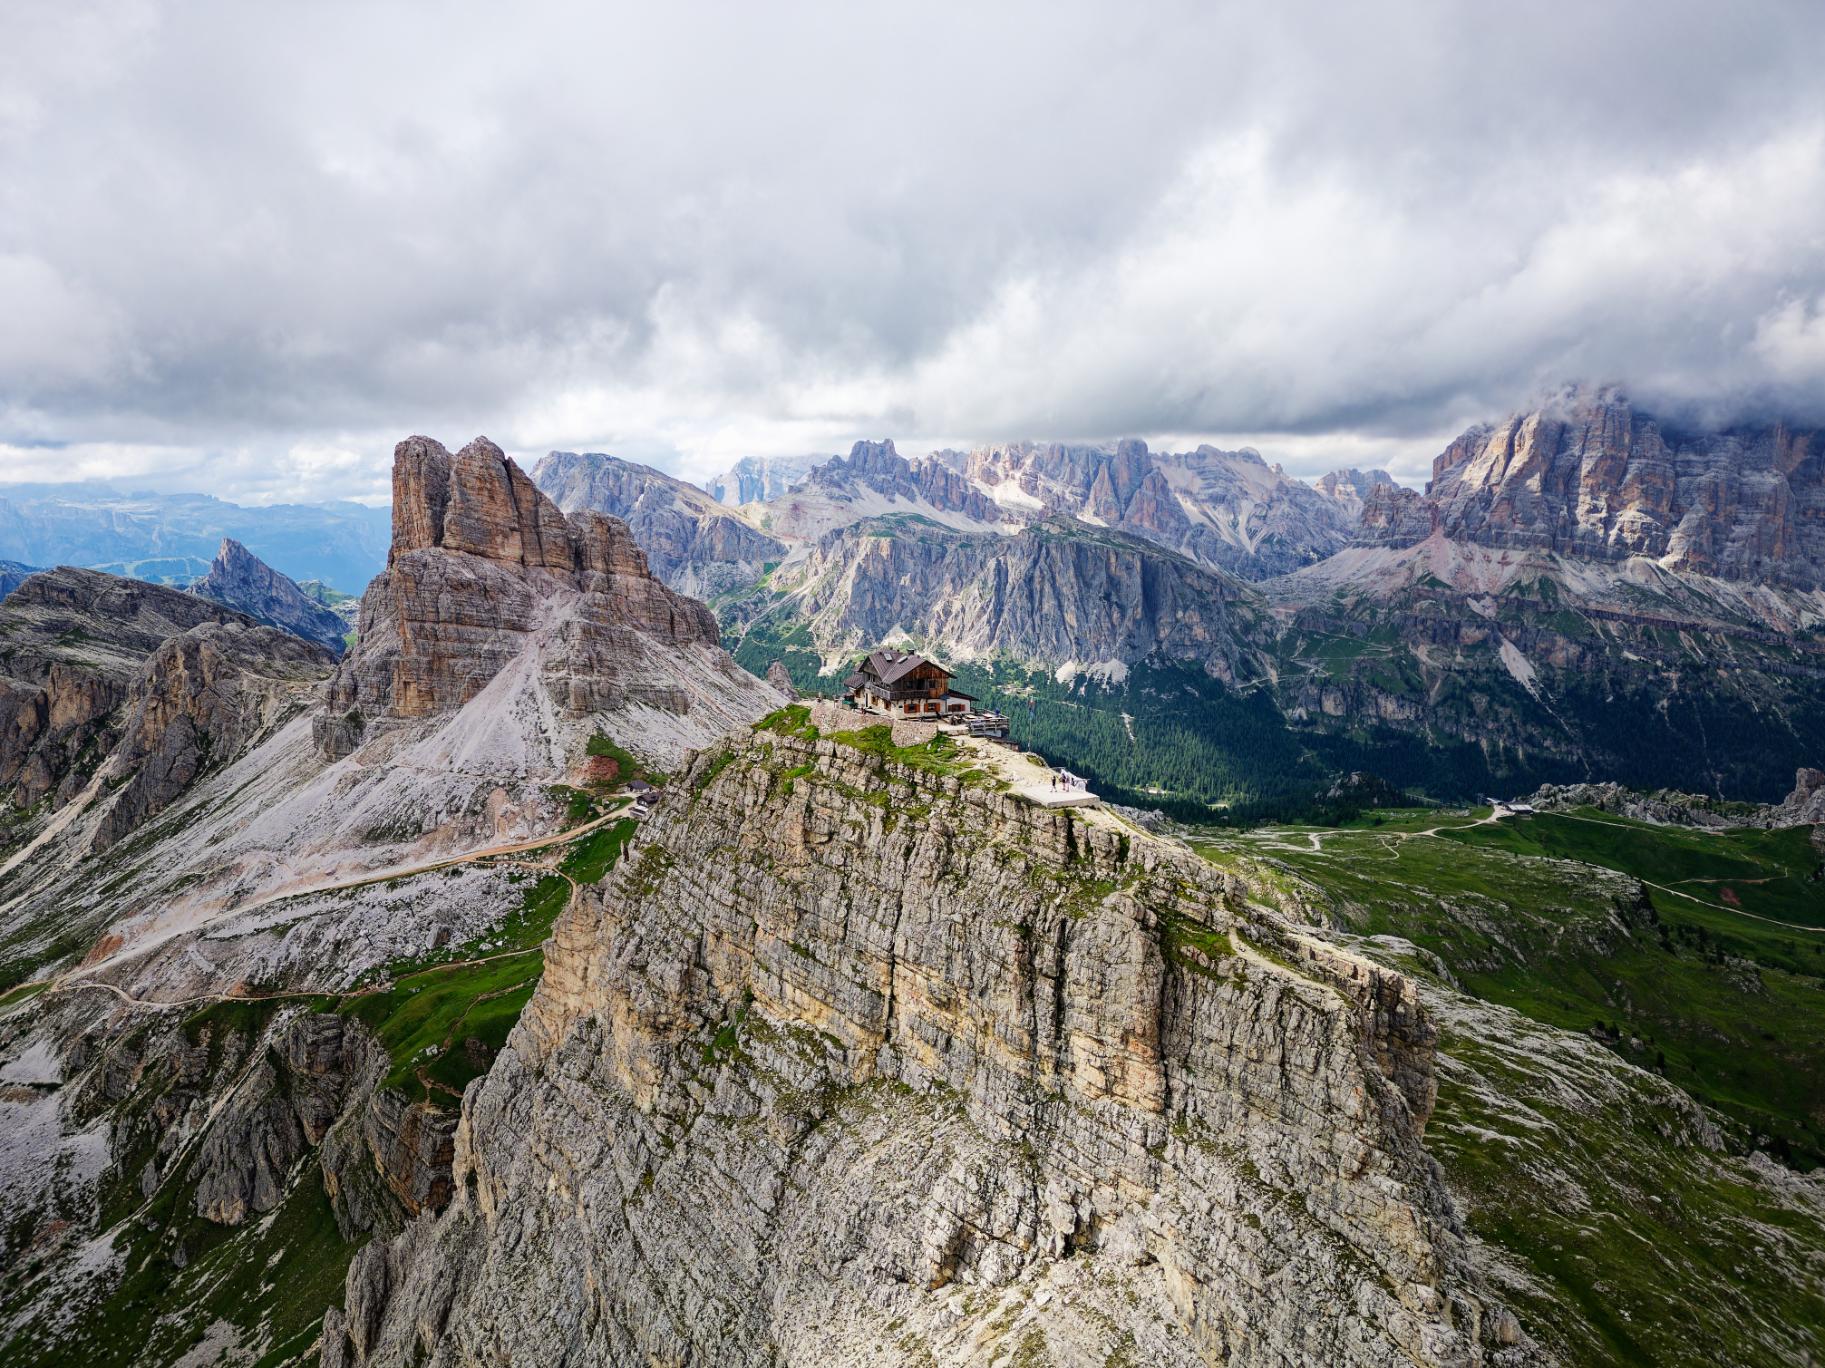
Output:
x,y
756,479
240,579
487,572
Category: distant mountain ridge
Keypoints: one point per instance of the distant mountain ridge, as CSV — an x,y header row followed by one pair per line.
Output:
x,y
755,479
694,544
172,538
1228,510
1557,607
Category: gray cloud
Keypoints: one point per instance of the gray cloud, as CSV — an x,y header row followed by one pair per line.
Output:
x,y
245,248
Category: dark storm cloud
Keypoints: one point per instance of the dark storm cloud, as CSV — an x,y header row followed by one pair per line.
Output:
x,y
245,247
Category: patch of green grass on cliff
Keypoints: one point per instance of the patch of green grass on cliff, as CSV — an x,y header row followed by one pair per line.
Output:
x,y
23,992
942,755
592,857
1190,944
424,1019
792,720
1543,915
270,1278
707,775
446,1015
791,776
579,807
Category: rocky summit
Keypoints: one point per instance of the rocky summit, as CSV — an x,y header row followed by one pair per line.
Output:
x,y
1589,476
242,580
82,652
693,543
485,571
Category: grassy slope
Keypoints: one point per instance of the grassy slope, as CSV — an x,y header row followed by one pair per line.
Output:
x,y
1544,915
1632,1239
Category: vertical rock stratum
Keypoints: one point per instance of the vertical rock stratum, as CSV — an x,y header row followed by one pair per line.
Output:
x,y
859,1059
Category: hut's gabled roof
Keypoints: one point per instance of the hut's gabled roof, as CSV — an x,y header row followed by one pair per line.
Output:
x,y
890,666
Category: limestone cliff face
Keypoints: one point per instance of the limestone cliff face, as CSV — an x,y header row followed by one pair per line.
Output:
x,y
694,544
1054,592
242,580
1227,510
72,642
486,571
854,1062
1351,488
1589,476
1393,515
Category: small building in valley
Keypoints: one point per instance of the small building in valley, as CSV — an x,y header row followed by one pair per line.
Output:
x,y
903,684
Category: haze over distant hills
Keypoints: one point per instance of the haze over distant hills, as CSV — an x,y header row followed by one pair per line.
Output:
x,y
172,538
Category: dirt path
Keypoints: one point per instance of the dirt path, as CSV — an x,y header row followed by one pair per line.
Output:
x,y
82,977
1316,839
297,995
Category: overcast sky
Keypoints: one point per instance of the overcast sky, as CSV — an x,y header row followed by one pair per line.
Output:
x,y
245,248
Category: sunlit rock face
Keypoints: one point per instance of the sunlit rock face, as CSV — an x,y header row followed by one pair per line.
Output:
x,y
1589,476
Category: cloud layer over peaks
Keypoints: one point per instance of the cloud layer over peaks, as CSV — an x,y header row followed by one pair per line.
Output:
x,y
245,248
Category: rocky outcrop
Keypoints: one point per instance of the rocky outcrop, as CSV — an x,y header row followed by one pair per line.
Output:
x,y
873,480
412,1147
778,677
820,1079
1227,510
1393,515
241,580
1805,806
72,642
1588,476
280,1109
201,699
12,575
485,571
692,543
